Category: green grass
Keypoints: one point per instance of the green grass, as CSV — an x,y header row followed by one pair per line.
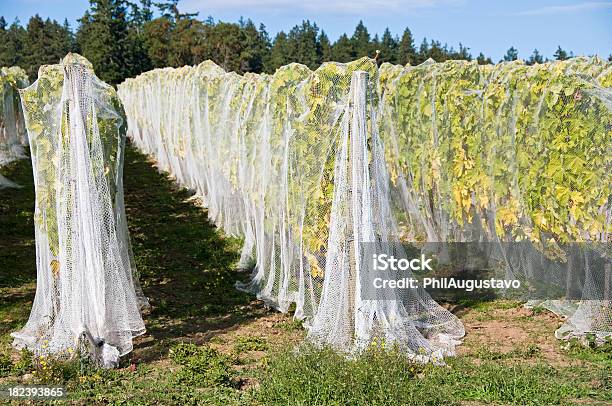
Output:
x,y
320,376
249,343
208,343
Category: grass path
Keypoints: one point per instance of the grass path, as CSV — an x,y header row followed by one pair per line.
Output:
x,y
241,352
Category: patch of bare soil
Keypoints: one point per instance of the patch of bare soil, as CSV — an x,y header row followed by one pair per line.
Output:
x,y
512,333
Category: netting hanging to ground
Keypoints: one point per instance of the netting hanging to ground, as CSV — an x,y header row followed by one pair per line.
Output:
x,y
515,156
87,293
292,163
12,129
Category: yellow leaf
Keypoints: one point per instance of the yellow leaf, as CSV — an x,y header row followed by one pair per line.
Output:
x,y
55,268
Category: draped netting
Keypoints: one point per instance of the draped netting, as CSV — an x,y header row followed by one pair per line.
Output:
x,y
292,163
311,167
87,292
12,129
515,156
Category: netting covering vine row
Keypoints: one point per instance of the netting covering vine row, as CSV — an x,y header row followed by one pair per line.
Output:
x,y
12,129
515,155
306,166
87,292
314,170
292,163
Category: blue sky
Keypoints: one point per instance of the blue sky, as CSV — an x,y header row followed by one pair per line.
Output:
x,y
584,27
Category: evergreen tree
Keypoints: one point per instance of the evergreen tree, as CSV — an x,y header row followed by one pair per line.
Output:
x,y
324,50
6,57
462,54
157,41
482,60
560,54
423,54
224,45
137,53
11,44
342,50
145,12
437,52
35,45
406,52
302,40
255,47
375,46
45,42
388,48
536,57
279,53
104,40
511,55
360,41
169,9
264,46
67,36
187,42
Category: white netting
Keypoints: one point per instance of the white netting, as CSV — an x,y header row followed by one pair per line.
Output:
x,y
514,155
292,162
87,293
12,128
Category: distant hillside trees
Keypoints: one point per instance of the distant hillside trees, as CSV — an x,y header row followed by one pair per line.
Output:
x,y
124,38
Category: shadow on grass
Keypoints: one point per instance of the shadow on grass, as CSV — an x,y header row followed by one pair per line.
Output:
x,y
187,265
17,248
17,255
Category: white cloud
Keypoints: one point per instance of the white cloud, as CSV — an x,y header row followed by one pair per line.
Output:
x,y
360,7
570,8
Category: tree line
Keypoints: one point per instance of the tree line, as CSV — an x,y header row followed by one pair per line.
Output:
x,y
123,39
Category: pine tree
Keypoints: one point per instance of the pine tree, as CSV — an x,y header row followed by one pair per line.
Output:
x,y
375,46
536,57
169,9
324,49
67,36
423,54
462,54
482,60
342,50
103,40
254,48
437,52
560,54
5,56
146,14
11,44
302,41
265,44
61,38
45,42
388,48
137,54
35,46
406,53
511,55
278,53
360,41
